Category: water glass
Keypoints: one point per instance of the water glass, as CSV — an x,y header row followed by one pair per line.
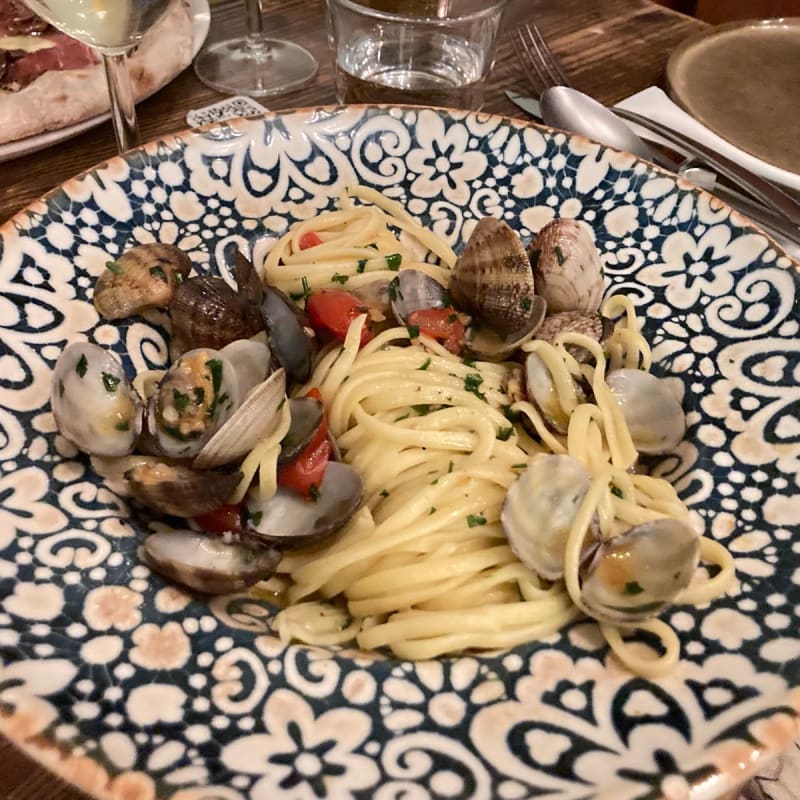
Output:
x,y
425,52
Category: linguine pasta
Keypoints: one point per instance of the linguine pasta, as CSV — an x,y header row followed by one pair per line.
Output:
x,y
425,568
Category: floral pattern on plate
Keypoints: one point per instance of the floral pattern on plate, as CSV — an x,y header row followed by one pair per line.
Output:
x,y
134,689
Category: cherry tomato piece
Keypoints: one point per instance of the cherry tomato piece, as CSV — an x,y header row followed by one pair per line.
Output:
x,y
305,473
333,310
309,239
441,324
227,518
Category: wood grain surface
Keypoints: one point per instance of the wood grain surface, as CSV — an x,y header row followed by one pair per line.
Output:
x,y
610,49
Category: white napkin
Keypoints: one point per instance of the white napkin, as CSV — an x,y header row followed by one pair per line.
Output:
x,y
654,104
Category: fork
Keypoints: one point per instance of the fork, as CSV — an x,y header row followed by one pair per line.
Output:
x,y
541,62
534,52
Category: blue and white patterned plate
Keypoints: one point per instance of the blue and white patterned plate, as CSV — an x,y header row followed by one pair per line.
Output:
x,y
133,689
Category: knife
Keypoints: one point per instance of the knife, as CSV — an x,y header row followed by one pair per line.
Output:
x,y
773,223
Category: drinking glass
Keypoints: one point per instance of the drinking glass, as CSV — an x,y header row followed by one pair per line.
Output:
x,y
112,27
427,52
254,65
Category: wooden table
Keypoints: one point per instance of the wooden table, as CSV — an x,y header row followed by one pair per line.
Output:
x,y
610,49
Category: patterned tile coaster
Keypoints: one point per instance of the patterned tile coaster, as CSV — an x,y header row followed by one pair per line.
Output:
x,y
228,108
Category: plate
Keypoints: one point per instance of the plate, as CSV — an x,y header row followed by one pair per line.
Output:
x,y
201,22
130,688
740,80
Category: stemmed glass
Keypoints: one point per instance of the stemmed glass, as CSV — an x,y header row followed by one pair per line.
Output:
x,y
254,65
112,27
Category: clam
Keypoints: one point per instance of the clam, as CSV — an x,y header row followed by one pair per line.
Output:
x,y
250,360
195,397
539,510
492,278
590,324
288,340
208,563
566,266
306,416
248,284
487,345
653,414
179,490
256,418
289,520
413,290
143,277
206,312
633,576
542,393
377,297
93,402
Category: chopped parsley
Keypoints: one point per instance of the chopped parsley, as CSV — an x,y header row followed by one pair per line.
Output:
x,y
470,362
511,415
472,384
215,365
313,492
425,364
394,290
180,401
82,366
114,266
179,279
158,273
123,425
255,517
449,467
633,588
504,433
432,510
281,405
560,257
393,261
110,382
519,466
361,265
199,395
526,303
340,279
473,520
413,331
615,490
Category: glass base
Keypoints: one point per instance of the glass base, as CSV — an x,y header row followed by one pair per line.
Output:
x,y
255,66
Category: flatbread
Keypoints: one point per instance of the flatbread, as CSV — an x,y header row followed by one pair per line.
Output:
x,y
60,98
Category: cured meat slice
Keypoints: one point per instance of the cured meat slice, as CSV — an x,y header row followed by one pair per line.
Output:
x,y
66,53
18,20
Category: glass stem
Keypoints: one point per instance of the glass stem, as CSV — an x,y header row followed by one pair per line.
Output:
x,y
255,19
123,106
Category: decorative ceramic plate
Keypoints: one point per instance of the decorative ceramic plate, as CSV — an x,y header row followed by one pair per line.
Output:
x,y
133,689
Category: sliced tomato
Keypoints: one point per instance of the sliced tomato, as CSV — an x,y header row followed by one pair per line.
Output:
x,y
315,393
333,310
221,520
441,324
305,473
309,239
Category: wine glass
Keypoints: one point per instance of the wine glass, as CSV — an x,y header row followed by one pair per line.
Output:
x,y
112,27
254,65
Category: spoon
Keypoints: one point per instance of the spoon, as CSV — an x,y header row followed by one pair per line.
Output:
x,y
571,110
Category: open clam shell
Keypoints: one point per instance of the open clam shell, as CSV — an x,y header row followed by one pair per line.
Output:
x,y
208,563
539,510
492,278
255,419
179,490
654,416
289,520
93,402
567,267
413,290
635,575
488,345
